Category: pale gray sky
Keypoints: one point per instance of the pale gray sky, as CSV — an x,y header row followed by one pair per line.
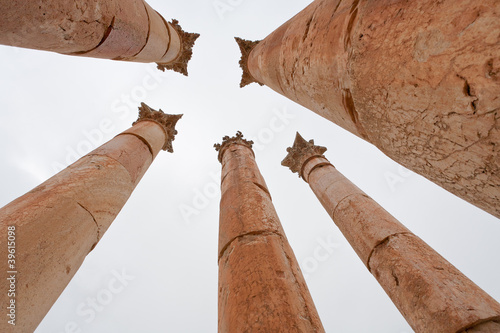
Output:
x,y
163,245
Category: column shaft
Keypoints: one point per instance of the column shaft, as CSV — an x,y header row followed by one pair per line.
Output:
x,y
418,79
59,222
430,293
261,287
111,29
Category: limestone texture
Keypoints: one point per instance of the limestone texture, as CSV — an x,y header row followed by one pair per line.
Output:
x,y
418,79
128,30
261,287
484,327
59,222
430,293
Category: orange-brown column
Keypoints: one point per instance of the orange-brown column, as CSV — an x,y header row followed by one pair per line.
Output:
x,y
429,292
59,222
112,29
261,287
418,79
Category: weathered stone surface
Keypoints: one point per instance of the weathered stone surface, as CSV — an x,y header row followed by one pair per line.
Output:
x,y
244,175
362,221
150,133
60,26
313,163
261,288
240,217
239,157
432,295
59,222
430,292
131,152
47,230
366,225
487,327
120,30
99,183
240,166
158,39
125,36
418,79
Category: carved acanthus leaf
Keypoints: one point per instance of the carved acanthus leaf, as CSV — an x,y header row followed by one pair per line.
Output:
x,y
246,46
300,153
227,141
166,121
180,64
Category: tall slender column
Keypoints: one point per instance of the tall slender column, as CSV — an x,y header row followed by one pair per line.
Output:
x,y
127,30
261,287
54,226
418,79
429,292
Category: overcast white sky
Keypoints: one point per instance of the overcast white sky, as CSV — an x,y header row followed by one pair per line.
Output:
x,y
55,108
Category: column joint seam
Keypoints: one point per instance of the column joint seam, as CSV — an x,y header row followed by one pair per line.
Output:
x,y
479,322
140,138
167,26
261,187
223,150
114,159
301,295
149,33
385,240
251,233
317,166
102,41
345,198
97,225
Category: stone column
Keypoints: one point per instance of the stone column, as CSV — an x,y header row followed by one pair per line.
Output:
x,y
418,79
127,30
429,292
59,222
261,287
